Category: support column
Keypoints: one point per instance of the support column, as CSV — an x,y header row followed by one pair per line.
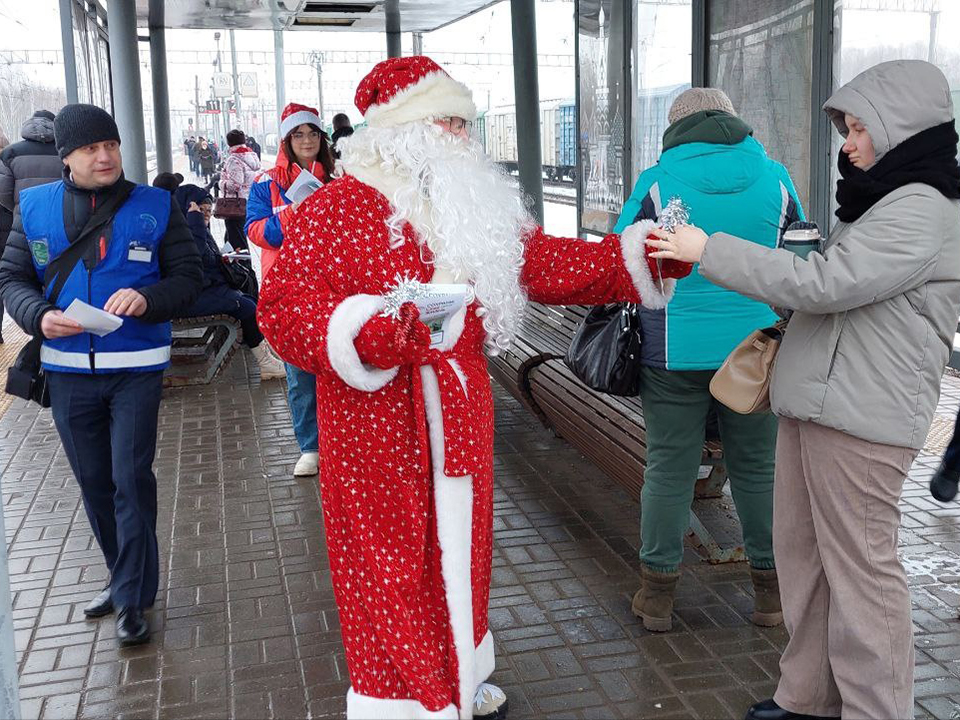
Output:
x,y
128,105
278,75
69,52
523,22
161,97
699,48
821,129
9,691
392,9
418,43
236,80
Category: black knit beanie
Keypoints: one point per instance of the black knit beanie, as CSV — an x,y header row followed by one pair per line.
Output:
x,y
80,124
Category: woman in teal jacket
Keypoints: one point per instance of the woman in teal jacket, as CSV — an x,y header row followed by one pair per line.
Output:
x,y
712,162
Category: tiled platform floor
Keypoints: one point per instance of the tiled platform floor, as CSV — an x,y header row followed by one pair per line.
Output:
x,y
246,625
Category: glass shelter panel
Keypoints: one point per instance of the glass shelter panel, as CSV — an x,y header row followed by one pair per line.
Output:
x,y
603,113
761,54
661,71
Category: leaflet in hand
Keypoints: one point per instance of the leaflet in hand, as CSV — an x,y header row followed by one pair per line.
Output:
x,y
303,187
94,320
437,305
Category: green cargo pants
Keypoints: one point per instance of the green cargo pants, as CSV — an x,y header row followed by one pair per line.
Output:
x,y
675,407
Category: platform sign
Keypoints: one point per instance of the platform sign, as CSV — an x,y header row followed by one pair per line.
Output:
x,y
222,85
248,84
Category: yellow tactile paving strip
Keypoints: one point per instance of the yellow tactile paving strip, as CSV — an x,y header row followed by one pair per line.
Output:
x,y
14,339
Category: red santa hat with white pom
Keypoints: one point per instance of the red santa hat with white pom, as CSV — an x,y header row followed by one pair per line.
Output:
x,y
406,89
295,115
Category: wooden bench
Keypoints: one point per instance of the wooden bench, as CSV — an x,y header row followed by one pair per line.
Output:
x,y
607,429
201,349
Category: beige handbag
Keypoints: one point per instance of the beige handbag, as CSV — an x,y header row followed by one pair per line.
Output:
x,y
743,381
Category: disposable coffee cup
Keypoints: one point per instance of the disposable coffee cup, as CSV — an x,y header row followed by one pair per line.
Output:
x,y
803,241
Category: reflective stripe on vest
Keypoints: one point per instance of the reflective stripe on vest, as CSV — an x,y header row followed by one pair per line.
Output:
x,y
106,360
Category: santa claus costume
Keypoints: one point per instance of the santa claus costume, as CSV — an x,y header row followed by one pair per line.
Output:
x,y
406,430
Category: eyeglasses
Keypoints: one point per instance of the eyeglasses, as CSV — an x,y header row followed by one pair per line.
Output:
x,y
457,124
312,135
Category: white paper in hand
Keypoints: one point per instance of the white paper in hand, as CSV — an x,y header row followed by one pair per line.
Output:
x,y
438,305
303,187
94,320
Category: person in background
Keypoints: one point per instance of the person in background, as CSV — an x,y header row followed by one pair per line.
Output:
x,y
24,164
254,145
239,171
341,128
856,385
217,297
188,145
141,265
712,162
168,181
269,211
207,160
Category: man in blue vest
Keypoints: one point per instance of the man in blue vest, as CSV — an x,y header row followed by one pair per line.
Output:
x,y
136,259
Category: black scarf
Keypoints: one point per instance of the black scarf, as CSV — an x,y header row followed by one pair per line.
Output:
x,y
929,157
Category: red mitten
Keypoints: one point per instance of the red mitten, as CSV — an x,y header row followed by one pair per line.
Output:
x,y
387,342
661,268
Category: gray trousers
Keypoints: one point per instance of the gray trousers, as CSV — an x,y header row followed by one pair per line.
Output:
x,y
845,599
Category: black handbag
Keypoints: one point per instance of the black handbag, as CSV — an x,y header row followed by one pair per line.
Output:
x,y
605,352
239,275
26,378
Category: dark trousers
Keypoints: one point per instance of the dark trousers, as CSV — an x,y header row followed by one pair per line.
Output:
x,y
951,458
223,300
235,234
108,426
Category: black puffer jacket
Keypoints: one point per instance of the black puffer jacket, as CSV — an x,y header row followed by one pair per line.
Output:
x,y
180,281
32,161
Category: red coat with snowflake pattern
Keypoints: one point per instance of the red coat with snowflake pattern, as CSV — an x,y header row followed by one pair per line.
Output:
x,y
406,454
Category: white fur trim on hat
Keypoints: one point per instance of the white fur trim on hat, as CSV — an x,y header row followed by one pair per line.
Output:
x,y
435,95
291,123
632,246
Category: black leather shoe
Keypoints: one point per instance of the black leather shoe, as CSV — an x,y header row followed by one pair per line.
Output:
x,y
769,710
132,627
101,605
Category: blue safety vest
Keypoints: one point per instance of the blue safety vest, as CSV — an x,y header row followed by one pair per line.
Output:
x,y
131,261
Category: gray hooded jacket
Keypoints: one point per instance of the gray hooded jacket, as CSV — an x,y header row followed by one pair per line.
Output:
x,y
876,313
32,161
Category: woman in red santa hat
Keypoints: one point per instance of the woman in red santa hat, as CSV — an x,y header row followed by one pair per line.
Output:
x,y
304,147
406,462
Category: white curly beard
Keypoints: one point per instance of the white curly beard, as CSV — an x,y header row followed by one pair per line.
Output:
x,y
463,208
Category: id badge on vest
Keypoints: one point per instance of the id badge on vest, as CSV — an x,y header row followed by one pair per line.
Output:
x,y
139,252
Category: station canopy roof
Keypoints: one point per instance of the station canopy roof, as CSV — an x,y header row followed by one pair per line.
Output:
x,y
350,15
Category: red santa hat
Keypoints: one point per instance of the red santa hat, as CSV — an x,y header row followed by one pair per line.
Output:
x,y
294,115
406,89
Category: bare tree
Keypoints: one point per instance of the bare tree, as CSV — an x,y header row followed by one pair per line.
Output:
x,y
21,96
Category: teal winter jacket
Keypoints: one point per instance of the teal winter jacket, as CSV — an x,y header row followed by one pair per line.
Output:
x,y
731,187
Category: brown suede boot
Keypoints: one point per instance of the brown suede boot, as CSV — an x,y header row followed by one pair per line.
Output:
x,y
766,592
653,602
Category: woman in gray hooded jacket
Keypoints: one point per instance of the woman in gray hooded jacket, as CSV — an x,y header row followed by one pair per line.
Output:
x,y
855,386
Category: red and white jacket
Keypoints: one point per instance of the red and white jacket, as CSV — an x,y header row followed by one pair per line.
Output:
x,y
267,203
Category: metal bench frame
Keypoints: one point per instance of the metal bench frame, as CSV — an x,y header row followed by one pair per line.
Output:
x,y
209,350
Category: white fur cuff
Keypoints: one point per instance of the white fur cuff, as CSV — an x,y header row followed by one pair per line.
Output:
x,y
342,330
654,294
